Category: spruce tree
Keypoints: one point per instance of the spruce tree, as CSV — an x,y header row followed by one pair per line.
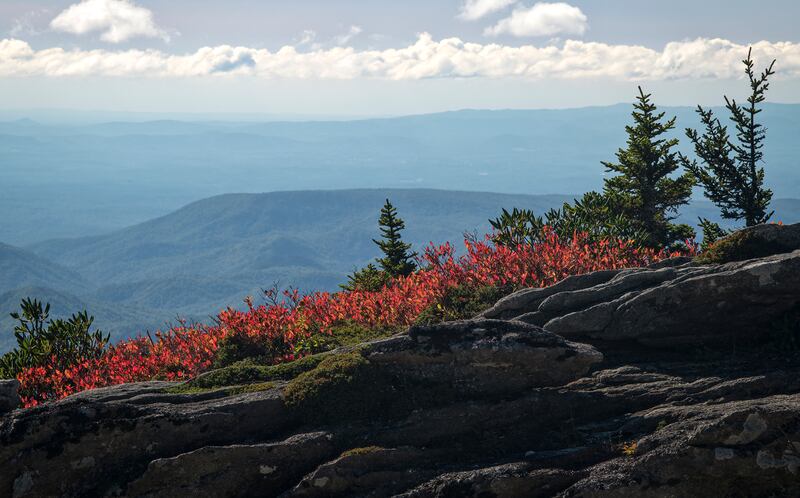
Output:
x,y
729,172
643,189
397,260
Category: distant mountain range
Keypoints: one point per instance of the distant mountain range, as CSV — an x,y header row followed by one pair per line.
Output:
x,y
212,253
72,180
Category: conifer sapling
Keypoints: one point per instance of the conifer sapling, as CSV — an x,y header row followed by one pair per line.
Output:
x,y
397,259
728,170
644,189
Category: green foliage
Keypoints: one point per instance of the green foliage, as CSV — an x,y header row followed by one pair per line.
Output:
x,y
594,214
347,333
597,215
517,227
712,232
460,303
397,260
369,279
41,340
644,189
237,347
729,172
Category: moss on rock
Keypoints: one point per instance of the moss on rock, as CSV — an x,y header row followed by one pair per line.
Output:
x,y
347,386
361,451
185,388
741,246
248,372
340,384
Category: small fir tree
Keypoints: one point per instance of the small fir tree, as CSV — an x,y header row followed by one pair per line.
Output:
x,y
643,189
729,171
397,259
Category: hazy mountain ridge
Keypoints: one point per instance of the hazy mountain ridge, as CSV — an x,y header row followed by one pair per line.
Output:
x,y
73,180
20,267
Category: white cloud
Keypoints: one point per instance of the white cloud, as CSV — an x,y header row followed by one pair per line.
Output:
x,y
543,19
345,38
475,9
117,20
307,36
426,58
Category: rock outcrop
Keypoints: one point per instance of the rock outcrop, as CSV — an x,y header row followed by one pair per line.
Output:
x,y
9,399
689,303
682,379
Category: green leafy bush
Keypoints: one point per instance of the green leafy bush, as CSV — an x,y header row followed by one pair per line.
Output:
x,y
517,227
41,340
597,215
346,333
237,347
593,214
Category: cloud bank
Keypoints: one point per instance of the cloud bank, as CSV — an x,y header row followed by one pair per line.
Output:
x,y
116,20
543,19
426,58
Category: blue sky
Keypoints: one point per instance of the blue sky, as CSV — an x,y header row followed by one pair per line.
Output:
x,y
372,57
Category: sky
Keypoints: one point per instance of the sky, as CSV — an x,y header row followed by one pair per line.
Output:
x,y
377,58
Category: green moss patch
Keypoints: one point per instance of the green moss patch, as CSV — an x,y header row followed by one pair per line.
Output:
x,y
340,384
361,451
228,390
740,246
248,372
347,386
252,388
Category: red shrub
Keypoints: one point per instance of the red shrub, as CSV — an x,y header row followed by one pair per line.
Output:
x,y
185,351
